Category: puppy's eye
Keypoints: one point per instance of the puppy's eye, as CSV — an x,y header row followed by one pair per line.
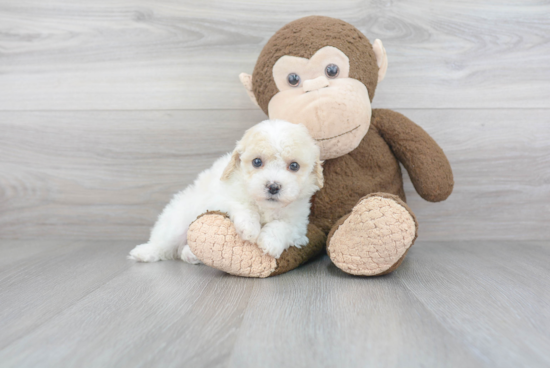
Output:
x,y
332,70
293,79
257,162
294,166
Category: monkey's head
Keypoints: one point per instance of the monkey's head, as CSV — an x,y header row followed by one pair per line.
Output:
x,y
320,72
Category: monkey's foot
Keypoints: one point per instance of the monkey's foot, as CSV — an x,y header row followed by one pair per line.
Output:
x,y
374,238
214,241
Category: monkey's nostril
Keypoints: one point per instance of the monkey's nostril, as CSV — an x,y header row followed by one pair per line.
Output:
x,y
316,89
315,84
273,188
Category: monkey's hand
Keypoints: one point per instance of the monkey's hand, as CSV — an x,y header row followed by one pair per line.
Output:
x,y
424,160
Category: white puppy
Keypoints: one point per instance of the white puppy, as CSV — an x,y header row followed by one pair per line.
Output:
x,y
264,186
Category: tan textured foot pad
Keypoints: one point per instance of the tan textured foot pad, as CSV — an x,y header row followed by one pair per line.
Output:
x,y
374,238
213,239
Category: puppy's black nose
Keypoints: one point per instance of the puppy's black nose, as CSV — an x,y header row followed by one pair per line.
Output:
x,y
273,188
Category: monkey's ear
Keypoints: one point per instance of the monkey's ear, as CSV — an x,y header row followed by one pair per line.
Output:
x,y
318,172
232,165
381,59
246,80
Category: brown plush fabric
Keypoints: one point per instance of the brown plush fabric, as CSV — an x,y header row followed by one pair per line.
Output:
x,y
370,168
293,257
302,38
424,160
374,167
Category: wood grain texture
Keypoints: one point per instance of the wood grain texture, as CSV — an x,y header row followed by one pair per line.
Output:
x,y
167,54
488,294
14,252
107,175
451,304
41,285
326,318
501,166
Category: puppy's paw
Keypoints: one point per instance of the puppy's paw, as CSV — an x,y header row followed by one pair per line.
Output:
x,y
270,244
145,253
300,241
187,256
248,228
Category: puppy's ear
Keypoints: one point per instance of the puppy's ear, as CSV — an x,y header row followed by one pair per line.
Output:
x,y
232,165
318,172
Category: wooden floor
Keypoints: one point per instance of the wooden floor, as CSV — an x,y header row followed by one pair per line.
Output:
x,y
454,304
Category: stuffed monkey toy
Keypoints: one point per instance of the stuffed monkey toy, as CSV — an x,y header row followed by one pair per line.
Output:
x,y
322,72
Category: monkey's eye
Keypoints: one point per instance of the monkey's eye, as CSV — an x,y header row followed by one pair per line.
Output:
x,y
294,166
257,162
332,70
293,79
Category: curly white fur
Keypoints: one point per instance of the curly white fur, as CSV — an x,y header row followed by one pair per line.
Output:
x,y
233,185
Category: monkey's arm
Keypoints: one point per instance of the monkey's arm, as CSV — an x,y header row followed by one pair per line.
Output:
x,y
424,160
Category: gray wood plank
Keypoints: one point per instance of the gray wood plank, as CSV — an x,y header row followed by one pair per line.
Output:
x,y
107,175
16,251
168,314
317,316
493,295
451,304
501,166
103,170
36,289
185,55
